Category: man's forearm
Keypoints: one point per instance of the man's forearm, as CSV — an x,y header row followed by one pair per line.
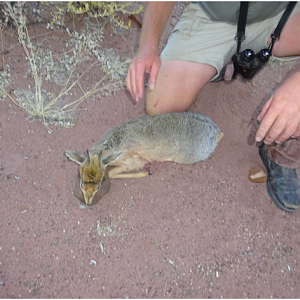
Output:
x,y
156,17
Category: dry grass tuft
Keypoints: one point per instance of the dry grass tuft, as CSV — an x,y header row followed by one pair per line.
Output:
x,y
69,72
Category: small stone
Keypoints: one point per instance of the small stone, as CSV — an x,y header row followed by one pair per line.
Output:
x,y
257,175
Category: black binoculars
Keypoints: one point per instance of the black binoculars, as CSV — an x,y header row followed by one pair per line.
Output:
x,y
247,63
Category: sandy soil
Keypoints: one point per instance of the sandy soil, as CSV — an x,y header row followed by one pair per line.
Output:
x,y
195,231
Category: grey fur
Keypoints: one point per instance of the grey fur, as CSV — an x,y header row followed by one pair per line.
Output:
x,y
185,137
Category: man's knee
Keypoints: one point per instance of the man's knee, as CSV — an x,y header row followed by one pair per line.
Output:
x,y
160,103
289,42
161,106
151,104
151,110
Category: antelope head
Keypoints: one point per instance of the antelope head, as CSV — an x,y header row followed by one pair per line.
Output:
x,y
92,170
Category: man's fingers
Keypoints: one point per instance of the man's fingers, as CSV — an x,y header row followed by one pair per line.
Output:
x,y
265,126
144,61
291,129
139,81
271,112
296,133
280,117
264,109
279,129
128,81
153,75
135,81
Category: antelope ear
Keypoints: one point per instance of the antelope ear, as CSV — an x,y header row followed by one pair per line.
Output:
x,y
87,157
111,158
100,155
76,157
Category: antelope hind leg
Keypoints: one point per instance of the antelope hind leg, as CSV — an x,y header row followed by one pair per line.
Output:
x,y
117,173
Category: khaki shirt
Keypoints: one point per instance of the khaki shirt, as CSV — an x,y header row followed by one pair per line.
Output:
x,y
229,11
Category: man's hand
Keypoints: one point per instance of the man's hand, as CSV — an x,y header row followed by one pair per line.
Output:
x,y
145,60
156,16
280,116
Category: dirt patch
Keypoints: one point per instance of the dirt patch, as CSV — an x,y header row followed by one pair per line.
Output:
x,y
194,231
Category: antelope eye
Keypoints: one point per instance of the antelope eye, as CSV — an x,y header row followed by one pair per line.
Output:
x,y
99,186
81,184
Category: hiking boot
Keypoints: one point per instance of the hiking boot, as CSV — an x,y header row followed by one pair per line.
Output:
x,y
283,184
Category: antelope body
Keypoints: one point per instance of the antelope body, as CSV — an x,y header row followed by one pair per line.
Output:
x,y
184,138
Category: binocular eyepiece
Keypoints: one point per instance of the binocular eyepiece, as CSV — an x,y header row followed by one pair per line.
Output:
x,y
247,63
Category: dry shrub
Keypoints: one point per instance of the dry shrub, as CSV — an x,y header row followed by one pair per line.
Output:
x,y
65,73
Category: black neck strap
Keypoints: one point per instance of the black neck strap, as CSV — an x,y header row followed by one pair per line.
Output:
x,y
275,36
240,36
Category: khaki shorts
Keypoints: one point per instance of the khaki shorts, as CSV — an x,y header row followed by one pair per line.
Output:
x,y
196,38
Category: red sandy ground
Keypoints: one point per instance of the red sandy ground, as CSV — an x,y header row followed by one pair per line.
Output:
x,y
195,231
